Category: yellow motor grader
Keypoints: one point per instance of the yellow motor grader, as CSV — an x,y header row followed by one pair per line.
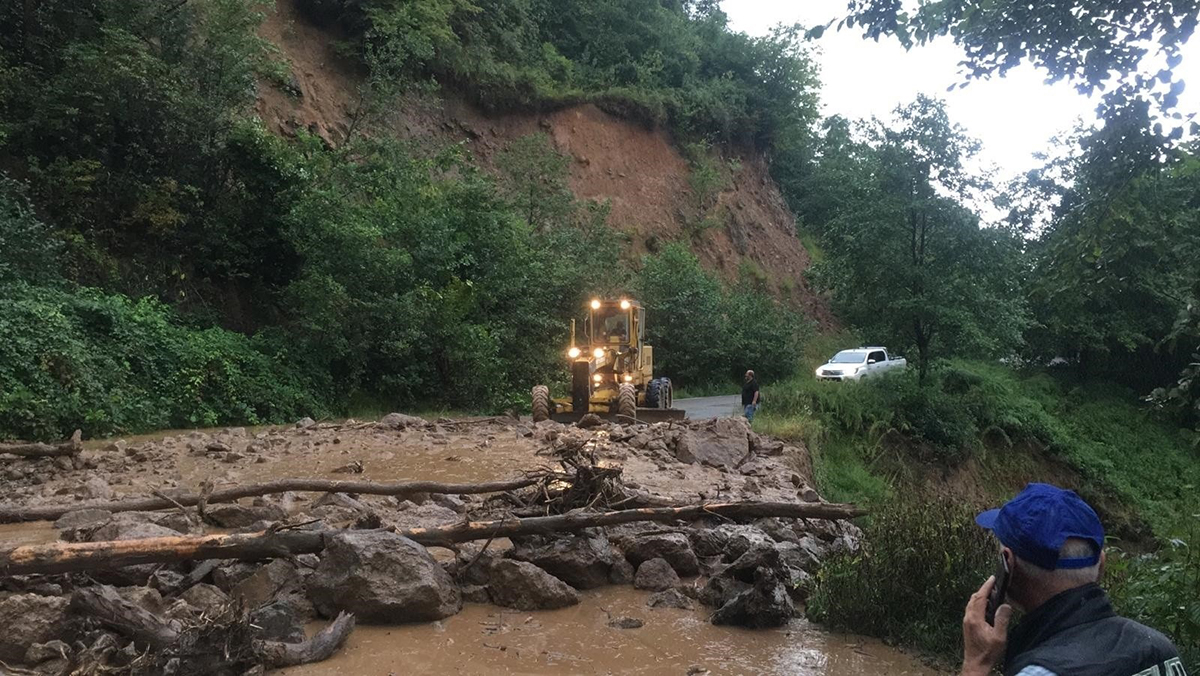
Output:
x,y
612,370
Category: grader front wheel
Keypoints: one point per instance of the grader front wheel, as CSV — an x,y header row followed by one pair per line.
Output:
x,y
627,401
541,403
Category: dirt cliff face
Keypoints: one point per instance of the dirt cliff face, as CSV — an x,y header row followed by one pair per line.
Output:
x,y
639,171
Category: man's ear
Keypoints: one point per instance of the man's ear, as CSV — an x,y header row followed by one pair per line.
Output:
x,y
1103,560
1009,558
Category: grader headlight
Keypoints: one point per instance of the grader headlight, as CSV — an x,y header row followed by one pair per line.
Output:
x,y
624,305
597,377
628,378
598,352
595,304
573,353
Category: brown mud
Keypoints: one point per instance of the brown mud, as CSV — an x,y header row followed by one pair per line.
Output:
x,y
485,639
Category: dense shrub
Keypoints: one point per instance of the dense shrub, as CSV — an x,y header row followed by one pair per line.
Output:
x,y
704,332
1161,590
104,363
920,562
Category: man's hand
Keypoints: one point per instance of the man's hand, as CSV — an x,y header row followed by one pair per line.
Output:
x,y
983,644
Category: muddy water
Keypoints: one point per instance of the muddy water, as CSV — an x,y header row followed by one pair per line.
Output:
x,y
489,640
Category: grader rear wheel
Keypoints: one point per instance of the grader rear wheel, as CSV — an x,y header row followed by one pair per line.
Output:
x,y
627,401
541,403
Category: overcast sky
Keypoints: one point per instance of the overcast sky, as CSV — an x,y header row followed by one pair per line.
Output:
x,y
1014,116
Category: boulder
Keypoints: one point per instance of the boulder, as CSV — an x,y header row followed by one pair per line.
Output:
x,y
399,421
26,619
233,515
671,598
797,556
428,515
95,488
382,578
766,604
131,526
277,621
626,622
82,519
582,562
674,547
228,575
274,579
44,652
450,502
206,597
146,598
655,575
590,420
524,586
764,445
727,540
719,590
720,442
475,593
622,572
305,423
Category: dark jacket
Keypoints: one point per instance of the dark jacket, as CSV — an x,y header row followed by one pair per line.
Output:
x,y
748,391
1077,633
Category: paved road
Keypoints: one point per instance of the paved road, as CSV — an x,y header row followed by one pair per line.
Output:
x,y
711,407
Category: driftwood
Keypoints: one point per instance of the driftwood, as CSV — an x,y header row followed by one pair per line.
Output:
x,y
12,514
37,450
316,649
149,631
88,556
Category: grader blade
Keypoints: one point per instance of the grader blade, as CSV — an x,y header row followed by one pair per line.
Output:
x,y
647,415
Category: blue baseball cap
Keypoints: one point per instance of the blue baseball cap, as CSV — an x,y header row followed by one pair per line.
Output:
x,y
1037,522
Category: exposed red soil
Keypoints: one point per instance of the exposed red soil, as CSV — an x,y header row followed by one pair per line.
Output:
x,y
639,171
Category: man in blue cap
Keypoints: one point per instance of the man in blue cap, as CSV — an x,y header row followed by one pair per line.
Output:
x,y
1053,545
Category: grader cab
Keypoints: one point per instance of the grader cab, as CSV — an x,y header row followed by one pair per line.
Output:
x,y
612,370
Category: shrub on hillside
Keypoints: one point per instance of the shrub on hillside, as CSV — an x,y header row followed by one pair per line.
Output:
x,y
948,417
102,362
1161,590
919,563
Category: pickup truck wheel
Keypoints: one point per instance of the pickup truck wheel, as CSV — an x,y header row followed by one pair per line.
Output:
x,y
627,401
541,403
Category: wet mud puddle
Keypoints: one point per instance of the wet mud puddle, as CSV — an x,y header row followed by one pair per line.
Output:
x,y
485,639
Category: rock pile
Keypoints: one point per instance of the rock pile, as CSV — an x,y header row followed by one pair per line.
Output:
x,y
752,574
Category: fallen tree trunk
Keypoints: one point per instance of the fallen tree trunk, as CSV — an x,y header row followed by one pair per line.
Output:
x,y
11,514
85,556
316,649
38,450
148,630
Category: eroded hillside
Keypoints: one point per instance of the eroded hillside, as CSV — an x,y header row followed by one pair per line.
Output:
x,y
639,171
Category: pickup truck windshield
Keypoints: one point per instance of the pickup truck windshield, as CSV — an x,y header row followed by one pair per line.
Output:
x,y
848,357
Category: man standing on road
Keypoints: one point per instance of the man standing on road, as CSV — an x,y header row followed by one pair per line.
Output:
x,y
750,395
1052,543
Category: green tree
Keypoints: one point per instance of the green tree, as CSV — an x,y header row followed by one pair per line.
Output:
x,y
1090,42
533,180
1114,242
704,333
908,262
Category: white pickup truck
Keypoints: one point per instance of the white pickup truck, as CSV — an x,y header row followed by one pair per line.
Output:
x,y
860,363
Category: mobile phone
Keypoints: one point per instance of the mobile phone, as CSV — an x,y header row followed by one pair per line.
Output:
x,y
999,590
